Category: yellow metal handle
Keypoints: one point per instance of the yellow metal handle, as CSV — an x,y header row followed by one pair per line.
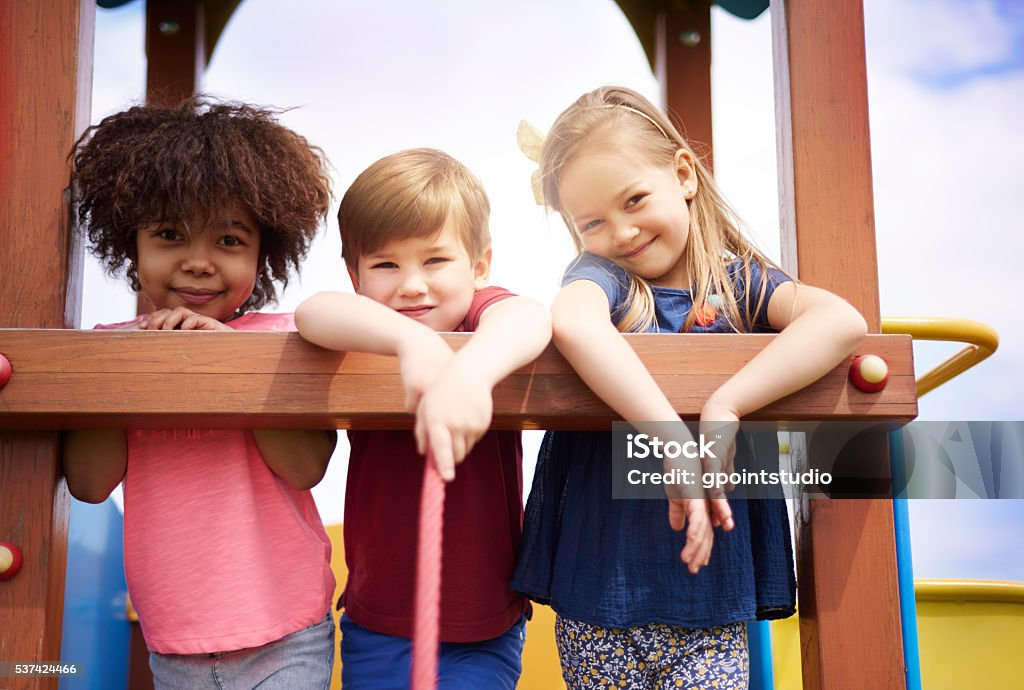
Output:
x,y
982,341
991,591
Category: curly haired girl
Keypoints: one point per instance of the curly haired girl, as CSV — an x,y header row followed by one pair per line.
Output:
x,y
205,208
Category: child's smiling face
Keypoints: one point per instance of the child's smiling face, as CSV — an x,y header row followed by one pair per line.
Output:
x,y
430,279
631,211
209,268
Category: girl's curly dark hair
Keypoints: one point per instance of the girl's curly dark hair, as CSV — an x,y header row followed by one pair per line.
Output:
x,y
149,164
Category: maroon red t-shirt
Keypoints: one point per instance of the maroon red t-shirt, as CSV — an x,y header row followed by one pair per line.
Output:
x,y
483,519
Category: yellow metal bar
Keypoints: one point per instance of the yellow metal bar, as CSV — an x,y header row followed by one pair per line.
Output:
x,y
991,591
982,341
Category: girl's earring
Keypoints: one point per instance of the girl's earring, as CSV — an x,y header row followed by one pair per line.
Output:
x,y
133,277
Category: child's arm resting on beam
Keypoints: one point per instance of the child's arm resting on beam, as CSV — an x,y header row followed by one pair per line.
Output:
x,y
456,411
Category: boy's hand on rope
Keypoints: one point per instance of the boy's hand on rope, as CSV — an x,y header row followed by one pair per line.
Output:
x,y
180,319
692,513
452,416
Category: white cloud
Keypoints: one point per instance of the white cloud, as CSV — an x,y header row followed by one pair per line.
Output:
x,y
939,39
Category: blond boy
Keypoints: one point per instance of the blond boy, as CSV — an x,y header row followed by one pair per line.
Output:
x,y
416,244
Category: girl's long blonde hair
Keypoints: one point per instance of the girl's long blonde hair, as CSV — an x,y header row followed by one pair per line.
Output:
x,y
715,239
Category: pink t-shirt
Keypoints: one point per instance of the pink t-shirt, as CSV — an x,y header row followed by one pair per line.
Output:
x,y
220,553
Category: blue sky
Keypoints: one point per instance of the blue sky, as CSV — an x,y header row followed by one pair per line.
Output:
x,y
946,89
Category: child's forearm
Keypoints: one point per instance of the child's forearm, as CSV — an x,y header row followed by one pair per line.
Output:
x,y
94,462
511,334
455,409
298,456
353,323
586,337
823,332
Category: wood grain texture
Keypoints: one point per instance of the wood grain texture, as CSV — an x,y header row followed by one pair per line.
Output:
x,y
684,72
70,379
175,59
824,149
846,562
45,75
34,516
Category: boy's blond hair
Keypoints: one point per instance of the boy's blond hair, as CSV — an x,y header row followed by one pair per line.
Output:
x,y
411,194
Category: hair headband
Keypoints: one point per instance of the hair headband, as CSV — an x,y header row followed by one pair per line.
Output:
x,y
638,112
531,141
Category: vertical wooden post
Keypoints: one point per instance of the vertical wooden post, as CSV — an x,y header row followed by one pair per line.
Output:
x,y
45,88
175,50
683,67
849,608
175,62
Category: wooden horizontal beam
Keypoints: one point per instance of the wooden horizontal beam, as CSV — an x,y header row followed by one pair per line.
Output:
x,y
78,379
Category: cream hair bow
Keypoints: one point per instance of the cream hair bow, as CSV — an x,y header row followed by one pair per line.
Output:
x,y
531,141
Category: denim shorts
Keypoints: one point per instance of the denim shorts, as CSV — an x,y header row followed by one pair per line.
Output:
x,y
373,661
300,660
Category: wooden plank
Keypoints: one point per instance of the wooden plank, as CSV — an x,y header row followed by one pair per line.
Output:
x,y
70,379
175,50
45,79
164,352
34,516
683,67
849,608
825,154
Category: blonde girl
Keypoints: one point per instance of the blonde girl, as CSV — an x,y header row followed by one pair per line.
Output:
x,y
660,251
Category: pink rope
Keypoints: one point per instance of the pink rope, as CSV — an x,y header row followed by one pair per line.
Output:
x,y
428,580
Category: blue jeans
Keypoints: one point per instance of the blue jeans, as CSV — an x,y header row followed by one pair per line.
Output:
x,y
372,661
302,659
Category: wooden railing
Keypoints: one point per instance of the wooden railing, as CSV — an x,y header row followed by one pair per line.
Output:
x,y
76,379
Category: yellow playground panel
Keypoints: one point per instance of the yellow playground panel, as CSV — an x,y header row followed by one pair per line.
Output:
x,y
969,635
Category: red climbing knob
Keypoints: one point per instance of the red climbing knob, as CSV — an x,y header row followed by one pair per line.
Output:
x,y
869,373
5,371
10,560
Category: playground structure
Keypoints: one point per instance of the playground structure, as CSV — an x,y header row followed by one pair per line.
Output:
x,y
849,621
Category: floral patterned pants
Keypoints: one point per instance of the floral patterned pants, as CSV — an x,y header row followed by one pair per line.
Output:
x,y
654,656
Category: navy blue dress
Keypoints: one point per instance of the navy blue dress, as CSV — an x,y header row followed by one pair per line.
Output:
x,y
615,563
